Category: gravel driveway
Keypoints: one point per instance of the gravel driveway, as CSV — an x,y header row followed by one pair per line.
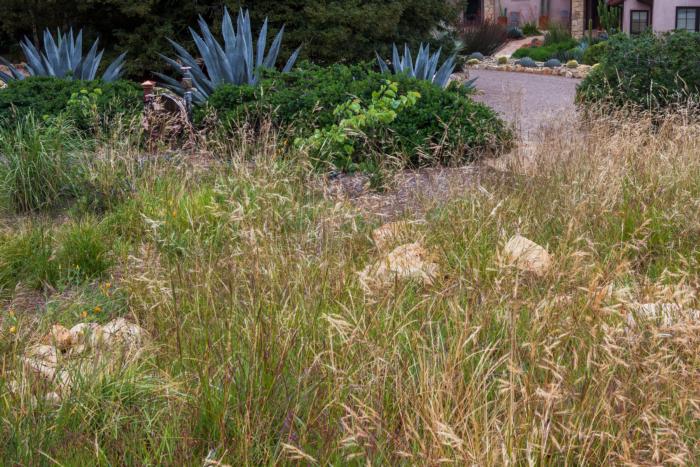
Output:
x,y
527,100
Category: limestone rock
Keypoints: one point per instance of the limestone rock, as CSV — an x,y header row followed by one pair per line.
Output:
x,y
121,333
409,261
58,336
42,360
85,335
527,255
390,234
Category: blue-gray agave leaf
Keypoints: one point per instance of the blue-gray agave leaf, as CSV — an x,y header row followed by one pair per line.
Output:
x,y
238,61
62,57
425,65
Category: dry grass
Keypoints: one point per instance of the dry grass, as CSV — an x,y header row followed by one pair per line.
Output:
x,y
267,351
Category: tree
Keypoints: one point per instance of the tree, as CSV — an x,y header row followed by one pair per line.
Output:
x,y
329,30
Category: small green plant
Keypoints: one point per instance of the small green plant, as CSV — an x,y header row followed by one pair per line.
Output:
x,y
530,29
515,33
552,63
572,64
472,61
337,143
27,258
83,105
82,251
502,60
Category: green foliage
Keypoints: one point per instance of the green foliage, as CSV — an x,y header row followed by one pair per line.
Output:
x,y
142,27
486,38
50,97
37,170
306,99
545,52
648,70
552,63
357,121
595,53
610,16
557,34
572,64
530,29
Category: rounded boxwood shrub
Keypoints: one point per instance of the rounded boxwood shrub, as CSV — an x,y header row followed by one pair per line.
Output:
x,y
648,71
595,53
572,64
303,100
48,97
552,63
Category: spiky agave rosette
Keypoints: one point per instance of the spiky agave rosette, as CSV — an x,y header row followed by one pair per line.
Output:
x,y
239,61
63,58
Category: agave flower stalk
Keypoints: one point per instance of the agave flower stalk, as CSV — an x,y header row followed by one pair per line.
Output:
x,y
424,67
63,58
238,61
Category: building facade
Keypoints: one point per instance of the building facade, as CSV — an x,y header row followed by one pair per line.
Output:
x,y
574,14
659,15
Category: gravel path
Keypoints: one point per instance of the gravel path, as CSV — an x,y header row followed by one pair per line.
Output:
x,y
527,100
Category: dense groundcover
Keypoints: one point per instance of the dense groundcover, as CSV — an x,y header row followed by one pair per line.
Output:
x,y
647,71
443,122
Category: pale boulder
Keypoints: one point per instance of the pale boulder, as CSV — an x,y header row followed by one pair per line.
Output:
x,y
391,234
527,255
406,262
42,360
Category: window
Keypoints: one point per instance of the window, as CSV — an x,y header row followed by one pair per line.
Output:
x,y
688,18
639,21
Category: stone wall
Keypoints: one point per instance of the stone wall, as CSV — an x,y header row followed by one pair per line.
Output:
x,y
490,10
578,18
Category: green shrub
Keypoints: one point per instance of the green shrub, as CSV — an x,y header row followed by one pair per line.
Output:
x,y
648,70
557,34
530,29
545,52
50,97
595,53
37,169
305,100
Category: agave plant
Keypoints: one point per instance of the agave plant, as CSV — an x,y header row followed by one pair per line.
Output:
x,y
63,58
424,67
239,61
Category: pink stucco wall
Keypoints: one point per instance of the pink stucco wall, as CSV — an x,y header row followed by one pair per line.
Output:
x,y
559,10
663,17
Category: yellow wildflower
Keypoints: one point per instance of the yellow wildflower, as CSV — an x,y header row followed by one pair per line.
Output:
x,y
13,329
